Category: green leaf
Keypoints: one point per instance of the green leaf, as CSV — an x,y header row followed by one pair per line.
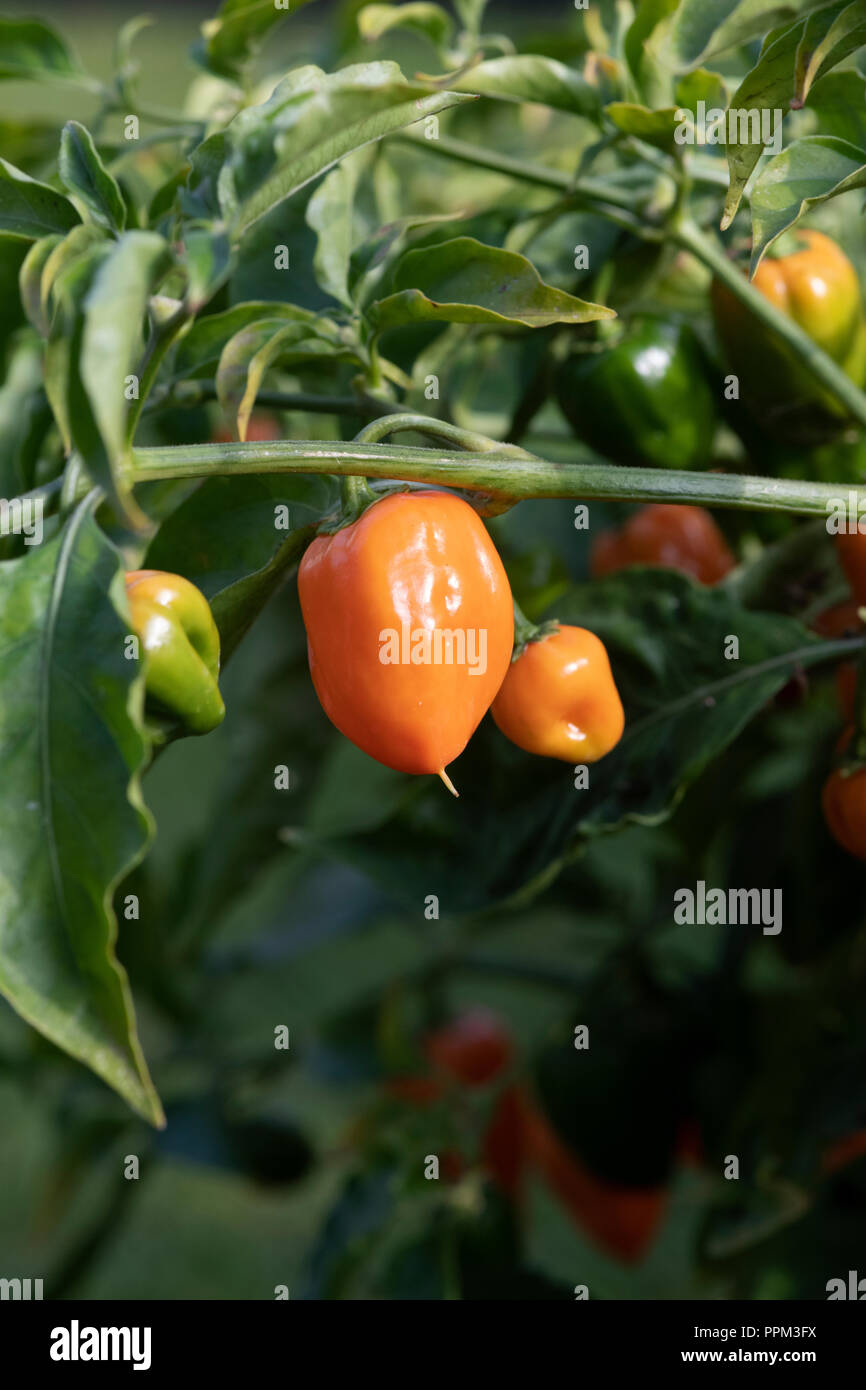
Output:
x,y
846,34
21,402
839,103
470,13
424,18
30,282
226,539
86,177
667,638
807,173
702,85
311,120
30,209
248,356
230,39
702,27
463,281
29,48
111,345
66,278
199,351
371,259
768,87
208,261
647,51
531,77
330,213
656,127
73,819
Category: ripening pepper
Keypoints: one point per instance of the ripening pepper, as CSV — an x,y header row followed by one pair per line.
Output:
x,y
559,698
410,628
643,399
181,647
816,285
669,535
843,801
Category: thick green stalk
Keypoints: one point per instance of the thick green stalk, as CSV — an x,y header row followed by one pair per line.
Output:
x,y
500,476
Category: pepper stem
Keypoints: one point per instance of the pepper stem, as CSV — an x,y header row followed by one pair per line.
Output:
x,y
526,631
447,780
356,495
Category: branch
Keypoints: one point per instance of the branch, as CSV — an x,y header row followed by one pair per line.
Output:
x,y
498,474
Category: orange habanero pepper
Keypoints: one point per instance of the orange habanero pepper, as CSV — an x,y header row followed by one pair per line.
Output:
x,y
410,628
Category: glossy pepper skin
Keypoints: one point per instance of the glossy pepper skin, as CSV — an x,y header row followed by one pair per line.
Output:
x,y
672,536
181,647
413,563
843,801
817,286
559,698
644,400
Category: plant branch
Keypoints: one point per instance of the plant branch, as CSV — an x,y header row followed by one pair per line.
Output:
x,y
499,474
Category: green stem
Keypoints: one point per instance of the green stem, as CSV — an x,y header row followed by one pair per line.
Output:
x,y
161,338
524,630
497,473
356,496
409,422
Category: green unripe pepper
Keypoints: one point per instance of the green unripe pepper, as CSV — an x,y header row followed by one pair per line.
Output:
x,y
642,399
181,647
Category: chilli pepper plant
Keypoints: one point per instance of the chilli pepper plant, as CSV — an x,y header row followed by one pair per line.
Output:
x,y
396,372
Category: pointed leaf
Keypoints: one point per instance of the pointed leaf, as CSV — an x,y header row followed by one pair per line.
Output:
x,y
250,353
769,87
86,177
230,39
199,352
846,34
702,27
463,281
421,16
311,120
73,822
531,77
330,213
807,173
31,209
111,344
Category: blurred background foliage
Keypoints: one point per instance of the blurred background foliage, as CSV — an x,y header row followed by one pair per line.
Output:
x,y
306,907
